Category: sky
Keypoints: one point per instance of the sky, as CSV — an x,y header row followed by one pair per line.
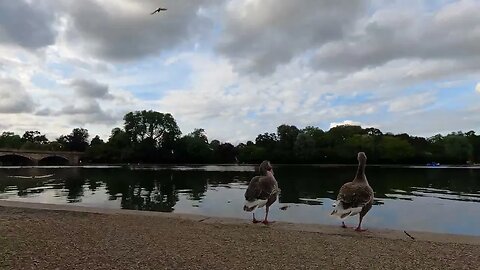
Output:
x,y
239,68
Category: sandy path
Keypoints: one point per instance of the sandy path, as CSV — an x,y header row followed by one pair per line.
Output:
x,y
47,239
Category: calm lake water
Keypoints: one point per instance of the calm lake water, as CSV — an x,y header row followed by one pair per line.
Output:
x,y
423,199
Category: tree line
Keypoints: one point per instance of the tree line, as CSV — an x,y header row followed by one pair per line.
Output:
x,y
154,137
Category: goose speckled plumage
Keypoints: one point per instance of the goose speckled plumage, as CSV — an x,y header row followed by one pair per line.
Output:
x,y
262,191
355,197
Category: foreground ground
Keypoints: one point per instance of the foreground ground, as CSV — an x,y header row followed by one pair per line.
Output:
x,y
47,239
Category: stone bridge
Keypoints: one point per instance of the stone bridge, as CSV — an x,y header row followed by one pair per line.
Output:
x,y
36,156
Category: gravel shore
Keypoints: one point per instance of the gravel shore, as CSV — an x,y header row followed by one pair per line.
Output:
x,y
49,239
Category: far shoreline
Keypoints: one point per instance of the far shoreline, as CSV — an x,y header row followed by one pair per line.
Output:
x,y
173,165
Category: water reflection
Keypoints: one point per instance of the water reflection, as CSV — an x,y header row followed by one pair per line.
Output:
x,y
443,200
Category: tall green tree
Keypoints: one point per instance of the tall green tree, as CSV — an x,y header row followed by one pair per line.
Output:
x,y
34,137
194,147
77,140
393,149
10,140
159,127
304,147
458,148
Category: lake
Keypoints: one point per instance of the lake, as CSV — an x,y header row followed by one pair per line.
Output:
x,y
445,200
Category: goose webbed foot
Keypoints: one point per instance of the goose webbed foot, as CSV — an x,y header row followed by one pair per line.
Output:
x,y
266,222
359,229
254,220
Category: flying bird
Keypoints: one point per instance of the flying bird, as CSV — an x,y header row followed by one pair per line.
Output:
x,y
158,10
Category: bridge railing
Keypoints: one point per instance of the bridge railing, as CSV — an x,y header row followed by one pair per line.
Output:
x,y
13,150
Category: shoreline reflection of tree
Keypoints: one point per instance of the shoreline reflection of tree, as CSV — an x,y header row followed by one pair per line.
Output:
x,y
142,190
152,196
74,182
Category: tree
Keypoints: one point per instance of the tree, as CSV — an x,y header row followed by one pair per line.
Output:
x,y
357,143
159,127
304,147
75,141
287,136
475,142
97,151
392,149
458,148
226,153
313,131
267,140
341,133
194,147
34,137
373,131
118,146
10,140
96,141
251,153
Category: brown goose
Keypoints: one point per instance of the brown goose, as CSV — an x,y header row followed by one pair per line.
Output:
x,y
262,191
355,197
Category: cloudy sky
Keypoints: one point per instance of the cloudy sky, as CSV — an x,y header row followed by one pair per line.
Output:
x,y
238,68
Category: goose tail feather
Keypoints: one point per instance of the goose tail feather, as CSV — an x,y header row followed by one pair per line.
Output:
x,y
251,205
342,212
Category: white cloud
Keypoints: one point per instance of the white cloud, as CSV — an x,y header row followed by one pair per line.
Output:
x,y
411,103
240,68
125,30
346,123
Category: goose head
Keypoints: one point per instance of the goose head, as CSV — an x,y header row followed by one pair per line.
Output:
x,y
265,167
361,157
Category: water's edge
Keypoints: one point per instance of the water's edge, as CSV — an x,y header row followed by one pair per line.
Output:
x,y
315,228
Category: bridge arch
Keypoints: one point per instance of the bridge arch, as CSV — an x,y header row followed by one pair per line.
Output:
x,y
54,160
14,159
42,157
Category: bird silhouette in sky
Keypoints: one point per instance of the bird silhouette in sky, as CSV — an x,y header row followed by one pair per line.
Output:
x,y
158,10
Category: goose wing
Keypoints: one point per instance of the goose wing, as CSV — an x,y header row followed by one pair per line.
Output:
x,y
260,188
254,190
354,195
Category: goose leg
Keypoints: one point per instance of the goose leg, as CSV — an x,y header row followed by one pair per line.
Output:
x,y
359,228
254,219
364,211
265,221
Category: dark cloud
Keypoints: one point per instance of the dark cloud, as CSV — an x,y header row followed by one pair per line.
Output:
x,y
44,112
88,113
90,89
27,24
125,30
259,35
14,98
452,33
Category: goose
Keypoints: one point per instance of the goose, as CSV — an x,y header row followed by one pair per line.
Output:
x,y
262,191
355,197
158,10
